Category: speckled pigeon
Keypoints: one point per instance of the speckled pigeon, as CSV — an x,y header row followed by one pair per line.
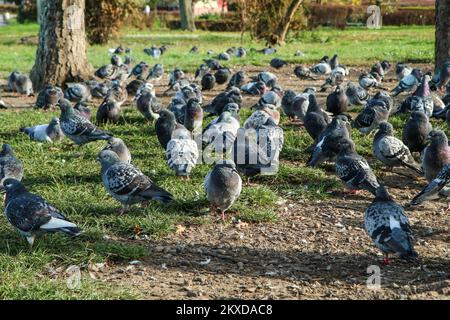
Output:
x,y
127,184
32,215
48,97
436,155
77,128
391,151
415,131
261,115
408,83
353,169
223,185
371,116
182,152
10,166
45,132
388,226
120,148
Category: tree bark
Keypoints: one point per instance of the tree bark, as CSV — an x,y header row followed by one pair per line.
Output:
x,y
279,36
186,15
61,54
442,44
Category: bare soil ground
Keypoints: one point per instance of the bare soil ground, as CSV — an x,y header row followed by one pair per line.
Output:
x,y
318,249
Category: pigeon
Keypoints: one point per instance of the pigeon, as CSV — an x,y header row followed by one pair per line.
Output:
x,y
326,147
133,87
77,128
381,68
254,88
178,108
119,50
109,111
119,147
322,68
97,89
353,169
156,72
367,80
303,73
12,78
261,115
223,185
334,62
212,64
240,52
3,104
48,97
337,102
415,131
78,92
436,155
10,166
299,53
165,126
391,151
268,78
266,51
421,100
175,75
222,75
316,120
83,110
20,83
356,95
437,188
208,82
388,226
277,63
194,49
201,71
32,215
223,56
286,103
231,51
446,98
231,95
153,52
371,116
45,132
299,106
140,70
127,184
334,79
107,72
442,77
116,60
182,152
148,105
408,83
237,80
233,109
193,117
402,70
273,97
220,135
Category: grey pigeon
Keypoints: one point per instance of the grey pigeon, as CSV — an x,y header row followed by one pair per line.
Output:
x,y
326,147
117,93
316,120
156,73
299,53
237,80
182,152
272,97
256,88
20,83
48,97
108,111
337,102
240,52
153,52
77,128
77,92
127,184
222,75
140,70
10,166
176,75
442,76
421,100
371,116
268,78
223,185
193,117
148,105
303,73
32,215
107,72
438,188
367,80
165,126
178,108
336,78
45,132
12,80
299,106
277,63
381,68
357,95
391,151
212,64
116,60
334,62
194,49
353,169
223,56
286,103
436,155
322,68
201,71
402,70
98,90
119,147
208,82
231,95
133,87
388,226
408,83
415,131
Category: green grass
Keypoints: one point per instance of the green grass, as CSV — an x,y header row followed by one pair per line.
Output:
x,y
69,177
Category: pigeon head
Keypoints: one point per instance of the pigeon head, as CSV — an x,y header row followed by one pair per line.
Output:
x,y
382,194
114,143
309,90
116,60
325,59
419,116
6,150
65,106
13,186
437,138
167,116
108,158
417,73
233,108
342,119
225,117
385,65
346,146
54,122
386,128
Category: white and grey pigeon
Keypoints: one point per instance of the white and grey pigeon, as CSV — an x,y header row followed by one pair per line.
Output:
x,y
438,188
367,80
402,70
223,186
408,83
391,151
182,152
255,88
50,132
10,165
323,68
32,215
388,226
147,104
353,169
261,115
120,148
127,184
220,136
77,128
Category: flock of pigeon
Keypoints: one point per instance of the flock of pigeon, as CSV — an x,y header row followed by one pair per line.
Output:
x,y
251,149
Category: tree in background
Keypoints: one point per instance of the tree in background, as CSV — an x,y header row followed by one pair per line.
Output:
x,y
186,15
61,54
442,39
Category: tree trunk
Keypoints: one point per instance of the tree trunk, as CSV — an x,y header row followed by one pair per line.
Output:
x,y
442,46
61,54
186,15
279,36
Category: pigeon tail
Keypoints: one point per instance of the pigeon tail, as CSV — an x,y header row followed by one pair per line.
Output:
x,y
158,194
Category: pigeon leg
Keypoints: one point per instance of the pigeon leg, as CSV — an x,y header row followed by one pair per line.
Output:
x,y
248,183
222,215
448,207
124,209
353,191
386,259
